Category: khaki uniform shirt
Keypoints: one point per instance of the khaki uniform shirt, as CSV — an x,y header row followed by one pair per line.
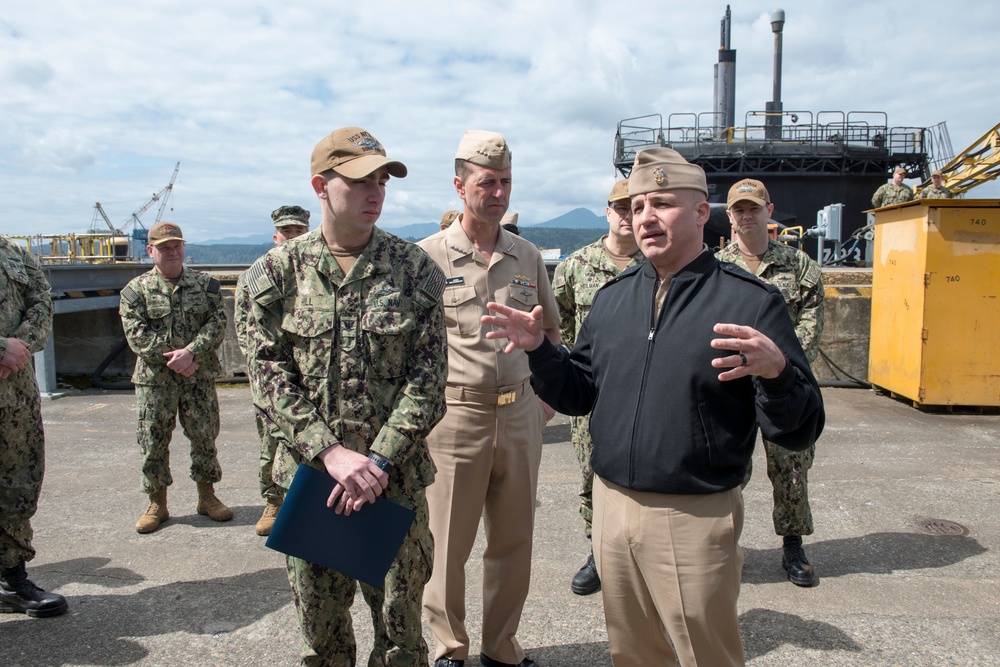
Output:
x,y
25,314
158,318
577,279
515,276
801,283
359,360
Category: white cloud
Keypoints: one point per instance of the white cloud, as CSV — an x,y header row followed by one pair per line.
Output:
x,y
102,98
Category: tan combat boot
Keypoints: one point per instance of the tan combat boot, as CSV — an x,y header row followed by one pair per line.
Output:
x,y
211,506
266,521
155,514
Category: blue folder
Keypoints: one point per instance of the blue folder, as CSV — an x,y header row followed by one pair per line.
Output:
x,y
361,545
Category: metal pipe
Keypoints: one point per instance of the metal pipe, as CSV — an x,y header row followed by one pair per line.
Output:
x,y
772,124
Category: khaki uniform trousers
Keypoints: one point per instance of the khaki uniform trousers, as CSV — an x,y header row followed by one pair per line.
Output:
x,y
670,575
487,457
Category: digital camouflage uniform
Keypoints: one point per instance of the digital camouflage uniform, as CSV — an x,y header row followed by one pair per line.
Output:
x,y
934,192
359,360
801,283
158,319
269,433
25,314
576,280
890,194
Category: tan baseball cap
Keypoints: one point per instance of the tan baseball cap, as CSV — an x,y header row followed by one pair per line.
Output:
x,y
352,152
448,218
937,172
899,170
485,148
749,190
659,169
162,232
619,191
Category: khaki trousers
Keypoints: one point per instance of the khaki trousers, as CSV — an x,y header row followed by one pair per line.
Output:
x,y
487,459
670,575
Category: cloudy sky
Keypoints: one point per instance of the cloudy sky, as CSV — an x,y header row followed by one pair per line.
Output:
x,y
99,99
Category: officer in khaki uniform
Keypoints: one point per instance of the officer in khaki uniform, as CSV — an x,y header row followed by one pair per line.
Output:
x,y
488,446
25,323
575,282
290,222
347,346
800,281
174,322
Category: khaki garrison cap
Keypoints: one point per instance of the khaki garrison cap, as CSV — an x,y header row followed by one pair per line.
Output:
x,y
619,192
162,232
660,169
749,190
487,149
353,153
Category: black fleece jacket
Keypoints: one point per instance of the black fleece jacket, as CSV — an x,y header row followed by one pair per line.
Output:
x,y
661,419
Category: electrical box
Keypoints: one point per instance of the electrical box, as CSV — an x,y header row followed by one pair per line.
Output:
x,y
935,320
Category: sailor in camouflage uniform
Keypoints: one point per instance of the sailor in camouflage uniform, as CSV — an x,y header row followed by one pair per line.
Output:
x,y
290,222
800,281
576,280
174,322
936,190
895,192
347,343
25,323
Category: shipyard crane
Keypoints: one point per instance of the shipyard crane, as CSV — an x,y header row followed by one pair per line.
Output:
x,y
138,229
977,164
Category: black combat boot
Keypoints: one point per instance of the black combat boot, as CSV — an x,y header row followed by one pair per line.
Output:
x,y
793,559
586,580
20,595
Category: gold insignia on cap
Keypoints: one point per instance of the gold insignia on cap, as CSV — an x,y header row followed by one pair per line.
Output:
x,y
659,176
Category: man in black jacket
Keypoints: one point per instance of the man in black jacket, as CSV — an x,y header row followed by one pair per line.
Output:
x,y
680,360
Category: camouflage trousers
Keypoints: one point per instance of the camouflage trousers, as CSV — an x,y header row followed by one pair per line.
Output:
x,y
158,407
270,439
789,475
323,600
22,465
584,448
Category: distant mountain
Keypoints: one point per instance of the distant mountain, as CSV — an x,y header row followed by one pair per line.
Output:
x,y
578,218
416,231
253,239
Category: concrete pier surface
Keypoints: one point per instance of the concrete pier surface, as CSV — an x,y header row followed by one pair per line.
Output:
x,y
897,587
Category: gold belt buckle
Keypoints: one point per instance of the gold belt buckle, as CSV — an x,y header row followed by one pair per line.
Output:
x,y
507,398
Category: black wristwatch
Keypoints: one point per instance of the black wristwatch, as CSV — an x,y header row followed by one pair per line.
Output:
x,y
380,461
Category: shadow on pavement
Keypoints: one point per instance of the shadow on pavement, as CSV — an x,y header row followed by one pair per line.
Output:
x,y
98,628
875,553
764,630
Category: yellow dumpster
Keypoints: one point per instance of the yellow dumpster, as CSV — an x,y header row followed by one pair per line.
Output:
x,y
935,327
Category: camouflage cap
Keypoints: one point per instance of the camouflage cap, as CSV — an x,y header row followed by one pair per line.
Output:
x,y
162,232
748,190
619,191
899,170
448,218
353,153
659,169
290,216
487,149
937,172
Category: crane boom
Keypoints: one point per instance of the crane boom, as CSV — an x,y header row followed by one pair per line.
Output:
x,y
162,196
977,164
